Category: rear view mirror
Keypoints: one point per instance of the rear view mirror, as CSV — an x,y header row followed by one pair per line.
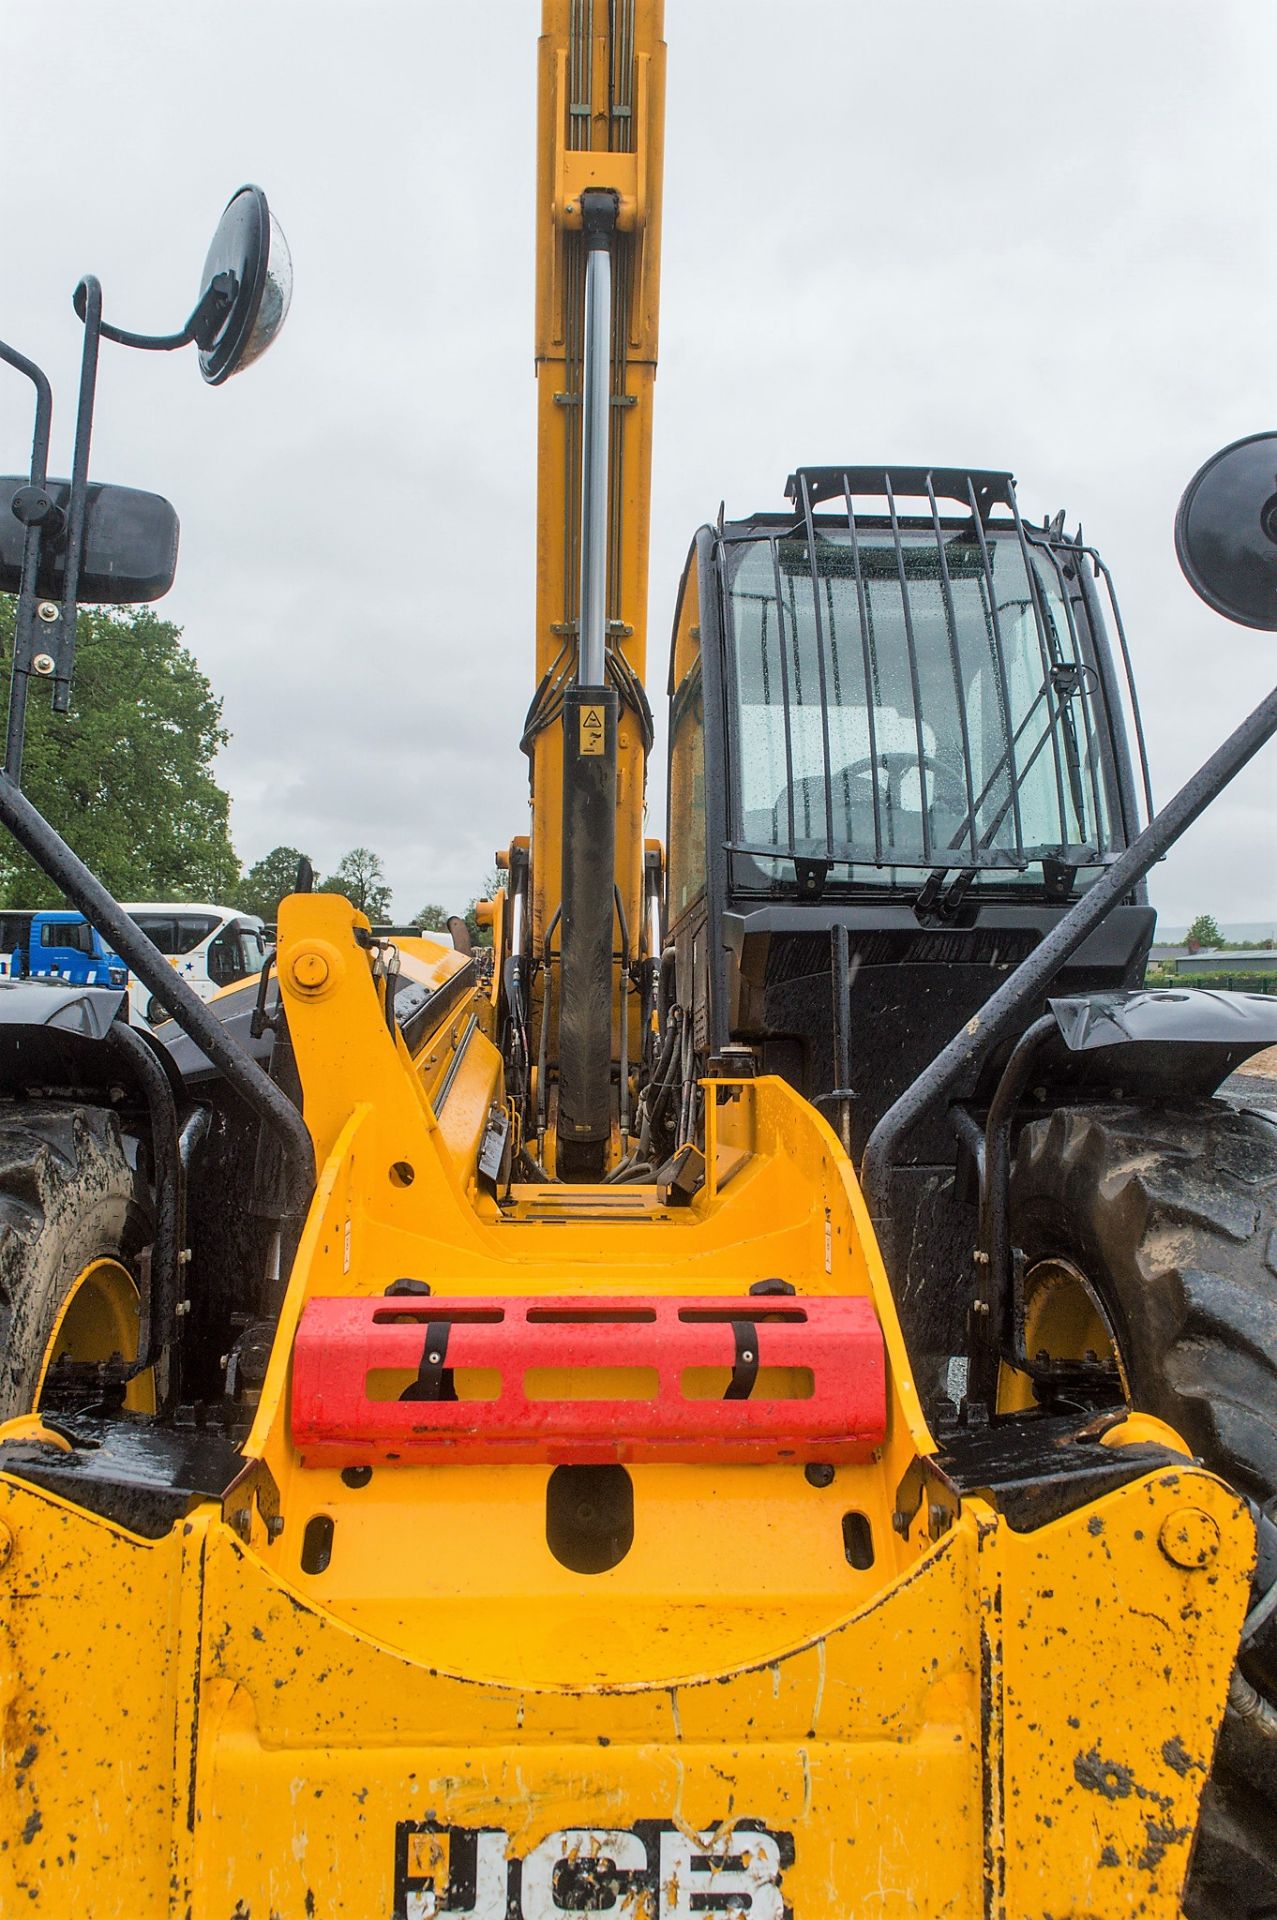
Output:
x,y
1226,532
246,288
245,291
66,541
130,541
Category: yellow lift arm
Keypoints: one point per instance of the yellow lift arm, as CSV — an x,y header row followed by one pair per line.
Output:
x,y
601,124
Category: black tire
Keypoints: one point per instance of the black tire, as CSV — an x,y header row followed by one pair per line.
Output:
x,y
1171,1216
71,1192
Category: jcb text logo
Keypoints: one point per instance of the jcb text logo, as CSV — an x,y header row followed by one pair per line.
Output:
x,y
650,1871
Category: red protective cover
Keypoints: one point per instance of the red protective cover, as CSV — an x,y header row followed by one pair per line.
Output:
x,y
341,1341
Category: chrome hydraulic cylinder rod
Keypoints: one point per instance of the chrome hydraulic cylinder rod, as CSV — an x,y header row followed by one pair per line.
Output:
x,y
596,381
590,717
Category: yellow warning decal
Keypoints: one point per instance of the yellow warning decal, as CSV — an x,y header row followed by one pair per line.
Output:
x,y
592,730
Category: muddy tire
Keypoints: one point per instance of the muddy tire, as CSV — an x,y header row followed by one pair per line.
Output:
x,y
1171,1216
71,1194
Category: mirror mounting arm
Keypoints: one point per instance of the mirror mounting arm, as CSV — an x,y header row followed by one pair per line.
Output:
x,y
35,521
202,327
88,301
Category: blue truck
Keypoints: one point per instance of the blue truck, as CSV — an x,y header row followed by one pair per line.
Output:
x,y
59,944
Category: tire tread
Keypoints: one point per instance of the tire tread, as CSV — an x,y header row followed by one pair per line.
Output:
x,y
1172,1214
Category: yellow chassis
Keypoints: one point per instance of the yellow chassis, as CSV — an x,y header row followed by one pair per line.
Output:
x,y
445,1719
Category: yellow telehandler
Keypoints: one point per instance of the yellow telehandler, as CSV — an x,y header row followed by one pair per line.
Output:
x,y
763,1405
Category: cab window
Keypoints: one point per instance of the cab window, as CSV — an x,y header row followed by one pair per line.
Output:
x,y
175,934
687,794
226,959
191,931
67,933
687,758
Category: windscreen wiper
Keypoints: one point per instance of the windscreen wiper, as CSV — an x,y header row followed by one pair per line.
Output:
x,y
1065,679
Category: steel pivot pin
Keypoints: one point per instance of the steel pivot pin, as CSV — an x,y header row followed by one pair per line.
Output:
x,y
310,970
1189,1538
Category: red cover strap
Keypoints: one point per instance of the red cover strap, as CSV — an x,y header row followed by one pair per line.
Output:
x,y
790,1378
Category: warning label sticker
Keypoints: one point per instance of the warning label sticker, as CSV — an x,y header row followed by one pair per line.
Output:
x,y
592,730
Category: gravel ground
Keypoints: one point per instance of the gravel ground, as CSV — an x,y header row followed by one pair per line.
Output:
x,y
1254,1084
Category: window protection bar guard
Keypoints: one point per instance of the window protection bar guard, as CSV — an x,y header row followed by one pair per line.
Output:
x,y
1083,704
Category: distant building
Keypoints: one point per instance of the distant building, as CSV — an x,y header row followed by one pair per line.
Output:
x,y
1166,957
1228,960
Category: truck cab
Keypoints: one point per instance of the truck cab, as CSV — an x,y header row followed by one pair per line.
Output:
x,y
61,945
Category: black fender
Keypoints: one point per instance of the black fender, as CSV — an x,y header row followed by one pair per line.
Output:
x,y
233,1010
1155,1040
56,1036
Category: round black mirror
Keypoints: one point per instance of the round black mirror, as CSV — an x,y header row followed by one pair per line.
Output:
x,y
1226,532
245,289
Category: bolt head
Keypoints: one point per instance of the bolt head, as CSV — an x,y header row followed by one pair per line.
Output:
x,y
1189,1538
33,506
43,663
48,610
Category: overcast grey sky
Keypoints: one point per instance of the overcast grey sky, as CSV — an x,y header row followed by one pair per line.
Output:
x,y
997,233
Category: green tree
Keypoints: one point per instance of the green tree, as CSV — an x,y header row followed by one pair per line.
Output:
x,y
127,776
1204,932
432,918
496,883
361,877
268,880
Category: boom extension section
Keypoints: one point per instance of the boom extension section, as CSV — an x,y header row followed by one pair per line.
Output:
x,y
583,875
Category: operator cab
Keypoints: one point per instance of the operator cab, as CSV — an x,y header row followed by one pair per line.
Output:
x,y
922,741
